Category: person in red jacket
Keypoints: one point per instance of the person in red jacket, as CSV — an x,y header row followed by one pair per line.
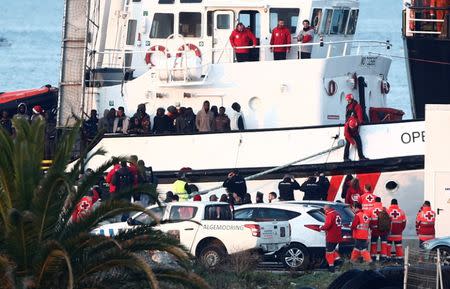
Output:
x,y
85,205
109,176
398,224
351,133
332,227
368,199
360,232
354,192
280,36
354,109
425,221
376,233
242,36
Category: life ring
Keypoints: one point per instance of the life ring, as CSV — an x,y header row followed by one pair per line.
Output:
x,y
189,47
332,87
152,50
385,87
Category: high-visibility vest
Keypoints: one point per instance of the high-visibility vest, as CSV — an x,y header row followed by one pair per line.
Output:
x,y
425,221
398,223
360,226
180,190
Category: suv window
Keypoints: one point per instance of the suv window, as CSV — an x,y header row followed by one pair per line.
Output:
x,y
180,213
317,214
268,214
218,213
145,219
244,214
346,214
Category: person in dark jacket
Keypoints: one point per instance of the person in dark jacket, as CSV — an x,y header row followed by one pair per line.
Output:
x,y
324,185
311,189
222,121
235,184
6,122
286,188
90,126
346,185
161,122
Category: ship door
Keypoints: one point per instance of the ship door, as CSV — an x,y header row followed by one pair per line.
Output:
x,y
223,26
442,203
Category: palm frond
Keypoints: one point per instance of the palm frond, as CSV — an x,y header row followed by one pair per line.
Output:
x,y
54,258
6,274
185,278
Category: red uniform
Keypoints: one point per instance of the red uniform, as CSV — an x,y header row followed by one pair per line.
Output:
x,y
351,132
398,224
360,229
280,36
376,233
109,177
332,227
353,195
84,206
355,109
425,224
368,201
242,38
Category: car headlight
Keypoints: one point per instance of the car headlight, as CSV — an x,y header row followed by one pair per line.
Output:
x,y
426,245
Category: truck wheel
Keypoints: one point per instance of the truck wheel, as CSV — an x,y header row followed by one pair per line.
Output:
x,y
295,257
212,255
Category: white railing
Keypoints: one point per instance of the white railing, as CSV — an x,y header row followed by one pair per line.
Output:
x,y
412,21
330,46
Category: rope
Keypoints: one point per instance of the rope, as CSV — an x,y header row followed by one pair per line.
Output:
x,y
411,58
340,144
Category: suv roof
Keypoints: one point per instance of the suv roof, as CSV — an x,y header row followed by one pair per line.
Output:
x,y
317,203
279,205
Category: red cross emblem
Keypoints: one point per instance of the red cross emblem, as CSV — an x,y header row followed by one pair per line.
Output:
x,y
85,205
429,216
355,197
366,219
395,214
338,221
369,198
377,210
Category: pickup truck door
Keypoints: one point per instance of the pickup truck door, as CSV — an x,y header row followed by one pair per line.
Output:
x,y
181,226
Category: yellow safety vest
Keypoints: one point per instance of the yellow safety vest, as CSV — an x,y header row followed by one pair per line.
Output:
x,y
179,189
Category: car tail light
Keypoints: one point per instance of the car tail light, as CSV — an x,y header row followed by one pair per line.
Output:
x,y
256,229
290,230
313,227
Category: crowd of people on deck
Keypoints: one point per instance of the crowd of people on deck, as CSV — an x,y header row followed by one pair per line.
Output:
x,y
177,119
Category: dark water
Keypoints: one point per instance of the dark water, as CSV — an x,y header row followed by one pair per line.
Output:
x,y
30,57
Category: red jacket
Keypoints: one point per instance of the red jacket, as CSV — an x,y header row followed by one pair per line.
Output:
x,y
332,226
350,133
353,195
84,206
398,223
280,36
368,201
354,109
425,224
242,38
109,176
377,207
360,226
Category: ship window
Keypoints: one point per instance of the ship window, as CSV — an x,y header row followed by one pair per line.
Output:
x,y
338,21
223,21
289,15
325,29
190,24
252,20
190,1
316,19
166,1
162,25
351,27
131,34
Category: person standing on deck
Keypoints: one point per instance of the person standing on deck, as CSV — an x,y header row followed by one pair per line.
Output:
x,y
242,36
204,120
425,222
354,109
280,36
237,119
306,36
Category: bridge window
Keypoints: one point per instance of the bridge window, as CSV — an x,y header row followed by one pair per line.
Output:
x,y
190,1
351,27
316,19
223,21
166,1
131,33
338,21
162,25
289,15
190,24
251,19
325,29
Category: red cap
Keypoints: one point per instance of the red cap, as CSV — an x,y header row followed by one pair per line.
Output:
x,y
352,123
349,97
197,198
37,109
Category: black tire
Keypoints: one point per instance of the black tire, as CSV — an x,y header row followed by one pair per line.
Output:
x,y
212,256
368,279
295,257
393,287
344,278
445,254
393,274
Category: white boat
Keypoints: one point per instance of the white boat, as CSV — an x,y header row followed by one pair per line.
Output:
x,y
170,52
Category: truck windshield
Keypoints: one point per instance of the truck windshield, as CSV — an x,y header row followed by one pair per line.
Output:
x,y
180,213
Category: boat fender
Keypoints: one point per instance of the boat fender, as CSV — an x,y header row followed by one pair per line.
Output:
x,y
332,87
189,47
385,87
152,50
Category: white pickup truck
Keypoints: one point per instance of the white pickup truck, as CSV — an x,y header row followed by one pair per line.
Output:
x,y
208,231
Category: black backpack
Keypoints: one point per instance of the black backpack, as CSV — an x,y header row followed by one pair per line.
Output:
x,y
384,221
123,178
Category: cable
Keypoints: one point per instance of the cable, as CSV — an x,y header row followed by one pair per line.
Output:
x,y
411,58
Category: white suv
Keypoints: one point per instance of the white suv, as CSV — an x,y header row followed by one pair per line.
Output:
x,y
307,240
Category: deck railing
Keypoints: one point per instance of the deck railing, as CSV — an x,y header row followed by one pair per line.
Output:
x,y
426,21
